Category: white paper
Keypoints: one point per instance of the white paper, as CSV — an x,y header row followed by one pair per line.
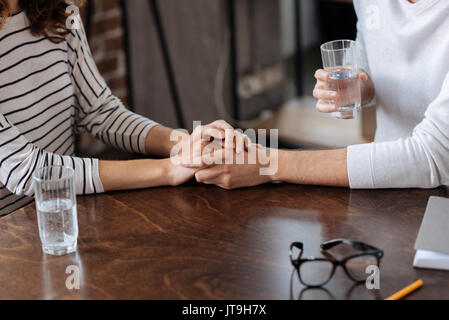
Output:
x,y
431,260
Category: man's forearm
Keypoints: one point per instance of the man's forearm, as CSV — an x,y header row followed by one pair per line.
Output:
x,y
323,167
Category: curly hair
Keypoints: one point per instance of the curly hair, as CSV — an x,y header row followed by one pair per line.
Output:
x,y
47,17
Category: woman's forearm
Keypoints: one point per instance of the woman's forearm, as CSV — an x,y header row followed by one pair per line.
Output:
x,y
158,142
323,167
134,174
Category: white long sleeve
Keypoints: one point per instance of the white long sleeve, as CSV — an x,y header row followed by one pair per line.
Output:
x,y
408,57
420,160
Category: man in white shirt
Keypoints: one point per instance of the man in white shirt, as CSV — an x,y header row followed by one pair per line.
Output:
x,y
404,48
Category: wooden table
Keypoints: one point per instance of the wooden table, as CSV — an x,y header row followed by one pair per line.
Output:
x,y
201,242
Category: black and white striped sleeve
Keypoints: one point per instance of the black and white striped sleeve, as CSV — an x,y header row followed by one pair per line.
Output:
x,y
98,111
19,158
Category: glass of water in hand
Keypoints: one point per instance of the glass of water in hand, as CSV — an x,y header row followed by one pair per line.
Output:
x,y
340,61
54,191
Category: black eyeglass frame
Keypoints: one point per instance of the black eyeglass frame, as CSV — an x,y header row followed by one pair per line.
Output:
x,y
367,250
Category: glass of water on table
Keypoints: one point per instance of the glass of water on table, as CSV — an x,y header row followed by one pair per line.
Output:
x,y
340,61
54,191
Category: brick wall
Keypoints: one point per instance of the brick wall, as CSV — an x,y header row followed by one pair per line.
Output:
x,y
106,39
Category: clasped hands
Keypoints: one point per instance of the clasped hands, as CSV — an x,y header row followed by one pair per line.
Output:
x,y
216,154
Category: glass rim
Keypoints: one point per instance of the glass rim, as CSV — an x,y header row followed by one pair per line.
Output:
x,y
322,47
38,179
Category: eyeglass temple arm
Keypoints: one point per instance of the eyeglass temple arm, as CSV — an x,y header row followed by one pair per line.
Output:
x,y
355,244
298,245
331,243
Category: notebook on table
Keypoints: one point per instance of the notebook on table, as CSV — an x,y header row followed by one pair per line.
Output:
x,y
432,244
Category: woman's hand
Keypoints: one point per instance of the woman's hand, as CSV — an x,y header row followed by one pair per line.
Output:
x,y
187,156
161,140
220,130
217,135
327,99
176,174
184,152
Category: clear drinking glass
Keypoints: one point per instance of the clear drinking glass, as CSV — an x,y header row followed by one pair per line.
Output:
x,y
340,60
54,191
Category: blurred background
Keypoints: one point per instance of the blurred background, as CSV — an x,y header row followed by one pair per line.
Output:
x,y
249,62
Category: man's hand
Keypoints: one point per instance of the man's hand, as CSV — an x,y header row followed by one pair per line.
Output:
x,y
187,156
327,99
233,176
321,167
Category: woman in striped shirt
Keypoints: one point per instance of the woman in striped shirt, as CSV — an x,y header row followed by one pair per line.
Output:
x,y
50,89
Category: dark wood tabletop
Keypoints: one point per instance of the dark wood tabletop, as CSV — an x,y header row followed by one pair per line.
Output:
x,y
201,242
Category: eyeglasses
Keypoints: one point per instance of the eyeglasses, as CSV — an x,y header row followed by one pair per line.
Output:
x,y
316,272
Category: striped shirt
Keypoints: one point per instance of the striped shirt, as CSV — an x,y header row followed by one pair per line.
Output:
x,y
48,93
